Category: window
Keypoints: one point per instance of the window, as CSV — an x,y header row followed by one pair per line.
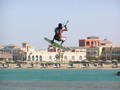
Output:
x,y
40,58
36,58
29,58
33,58
65,57
95,53
92,43
87,43
80,57
50,57
73,57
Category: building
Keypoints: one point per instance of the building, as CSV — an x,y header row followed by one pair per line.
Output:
x,y
55,56
5,56
18,53
92,45
99,49
27,53
90,42
91,48
1,46
110,53
51,49
107,43
93,53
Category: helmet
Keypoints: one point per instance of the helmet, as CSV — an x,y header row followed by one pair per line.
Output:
x,y
60,25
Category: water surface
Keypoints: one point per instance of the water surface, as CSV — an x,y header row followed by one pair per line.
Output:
x,y
19,79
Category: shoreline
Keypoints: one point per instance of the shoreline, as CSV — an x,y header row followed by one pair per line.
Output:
x,y
63,67
60,68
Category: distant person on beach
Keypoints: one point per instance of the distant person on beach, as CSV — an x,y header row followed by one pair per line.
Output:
x,y
58,33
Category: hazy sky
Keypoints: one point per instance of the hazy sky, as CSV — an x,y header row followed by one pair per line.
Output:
x,y
32,20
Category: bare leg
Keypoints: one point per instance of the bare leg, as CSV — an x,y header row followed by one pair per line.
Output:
x,y
62,42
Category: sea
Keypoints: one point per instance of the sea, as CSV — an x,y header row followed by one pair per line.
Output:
x,y
58,79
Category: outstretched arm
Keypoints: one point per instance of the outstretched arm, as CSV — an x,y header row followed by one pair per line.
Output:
x,y
65,28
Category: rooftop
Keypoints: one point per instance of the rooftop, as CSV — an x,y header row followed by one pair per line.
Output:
x,y
93,37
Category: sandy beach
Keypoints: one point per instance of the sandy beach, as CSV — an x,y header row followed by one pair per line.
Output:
x,y
60,66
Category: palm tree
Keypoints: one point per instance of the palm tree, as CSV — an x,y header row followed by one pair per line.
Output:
x,y
59,57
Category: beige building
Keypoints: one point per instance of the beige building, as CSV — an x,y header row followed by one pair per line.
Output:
x,y
77,54
103,50
93,53
5,56
107,43
110,53
27,53
18,53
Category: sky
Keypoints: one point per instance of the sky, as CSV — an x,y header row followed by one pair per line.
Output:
x,y
32,20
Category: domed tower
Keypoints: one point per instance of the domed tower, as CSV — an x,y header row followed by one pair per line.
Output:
x,y
26,46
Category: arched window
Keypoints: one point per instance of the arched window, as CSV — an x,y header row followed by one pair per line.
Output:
x,y
95,53
65,57
73,57
40,58
50,57
33,58
80,57
87,43
36,58
94,43
29,58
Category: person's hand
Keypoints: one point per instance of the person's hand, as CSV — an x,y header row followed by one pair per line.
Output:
x,y
65,26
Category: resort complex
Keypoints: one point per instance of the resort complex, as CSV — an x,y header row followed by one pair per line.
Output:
x,y
91,52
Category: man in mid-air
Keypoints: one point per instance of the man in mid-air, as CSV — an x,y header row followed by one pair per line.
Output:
x,y
58,33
